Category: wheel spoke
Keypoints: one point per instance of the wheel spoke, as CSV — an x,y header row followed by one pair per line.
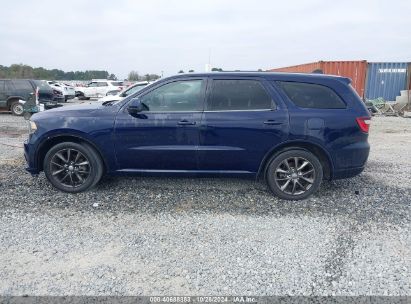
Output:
x,y
308,180
59,155
286,164
308,172
68,155
65,176
77,156
285,185
301,186
281,179
295,163
81,180
71,180
56,164
305,163
294,186
83,171
83,163
279,170
58,171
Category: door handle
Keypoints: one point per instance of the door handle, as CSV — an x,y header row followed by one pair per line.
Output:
x,y
272,122
186,123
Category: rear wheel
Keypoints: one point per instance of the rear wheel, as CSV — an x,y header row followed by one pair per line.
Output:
x,y
73,167
294,174
16,108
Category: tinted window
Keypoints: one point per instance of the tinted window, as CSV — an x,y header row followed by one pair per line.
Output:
x,y
22,85
102,84
42,84
134,89
238,95
116,83
175,96
306,95
1,85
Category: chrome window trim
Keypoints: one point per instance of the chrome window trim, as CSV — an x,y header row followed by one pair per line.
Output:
x,y
254,110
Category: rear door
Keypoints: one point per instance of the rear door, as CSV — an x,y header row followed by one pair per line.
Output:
x,y
243,120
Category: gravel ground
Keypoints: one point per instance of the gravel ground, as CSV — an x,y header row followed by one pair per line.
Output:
x,y
208,236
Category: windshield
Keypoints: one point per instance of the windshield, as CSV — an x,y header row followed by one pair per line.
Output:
x,y
42,84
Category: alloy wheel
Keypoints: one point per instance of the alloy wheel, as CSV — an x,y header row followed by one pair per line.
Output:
x,y
294,175
70,167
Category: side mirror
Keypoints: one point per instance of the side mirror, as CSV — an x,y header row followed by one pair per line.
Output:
x,y
136,106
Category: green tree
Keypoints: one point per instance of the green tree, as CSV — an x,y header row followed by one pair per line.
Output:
x,y
191,71
133,76
216,70
181,71
112,77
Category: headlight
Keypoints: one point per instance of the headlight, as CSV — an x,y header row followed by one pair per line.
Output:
x,y
32,127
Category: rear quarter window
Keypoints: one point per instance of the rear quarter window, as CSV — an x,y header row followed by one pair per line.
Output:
x,y
22,85
313,96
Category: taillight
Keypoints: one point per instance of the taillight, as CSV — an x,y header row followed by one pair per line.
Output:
x,y
364,123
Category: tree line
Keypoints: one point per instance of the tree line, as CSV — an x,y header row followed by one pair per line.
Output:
x,y
28,72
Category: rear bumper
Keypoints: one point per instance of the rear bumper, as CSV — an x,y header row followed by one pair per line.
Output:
x,y
350,160
347,173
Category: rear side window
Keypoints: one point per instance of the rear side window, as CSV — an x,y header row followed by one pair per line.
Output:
x,y
237,95
1,85
116,83
22,85
308,95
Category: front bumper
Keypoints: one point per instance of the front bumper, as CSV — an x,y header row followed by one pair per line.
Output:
x,y
29,155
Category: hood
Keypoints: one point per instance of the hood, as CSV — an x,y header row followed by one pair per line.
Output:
x,y
81,110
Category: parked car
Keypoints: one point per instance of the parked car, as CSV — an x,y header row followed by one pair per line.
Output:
x,y
13,90
98,88
125,92
294,130
66,91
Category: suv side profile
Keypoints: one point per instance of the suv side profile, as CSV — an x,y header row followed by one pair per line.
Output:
x,y
294,130
13,90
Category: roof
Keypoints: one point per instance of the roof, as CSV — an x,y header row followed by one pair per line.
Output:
x,y
268,75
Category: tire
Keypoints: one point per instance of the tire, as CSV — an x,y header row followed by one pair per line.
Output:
x,y
288,183
73,167
16,108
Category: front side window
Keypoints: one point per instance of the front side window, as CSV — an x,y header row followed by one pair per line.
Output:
x,y
133,90
237,95
102,84
308,95
1,85
175,96
92,84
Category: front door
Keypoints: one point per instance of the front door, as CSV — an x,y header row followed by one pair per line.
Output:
x,y
164,137
242,122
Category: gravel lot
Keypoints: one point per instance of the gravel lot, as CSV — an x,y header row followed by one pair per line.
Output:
x,y
208,236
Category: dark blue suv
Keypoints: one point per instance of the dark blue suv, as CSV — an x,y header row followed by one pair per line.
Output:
x,y
294,130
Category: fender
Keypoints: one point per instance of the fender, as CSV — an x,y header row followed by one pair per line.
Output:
x,y
297,143
79,135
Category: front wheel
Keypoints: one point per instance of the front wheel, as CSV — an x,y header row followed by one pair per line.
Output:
x,y
73,167
294,174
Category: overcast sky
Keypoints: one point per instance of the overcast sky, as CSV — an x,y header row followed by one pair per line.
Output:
x,y
154,35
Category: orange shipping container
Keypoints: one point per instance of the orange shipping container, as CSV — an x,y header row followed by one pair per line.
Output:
x,y
356,70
